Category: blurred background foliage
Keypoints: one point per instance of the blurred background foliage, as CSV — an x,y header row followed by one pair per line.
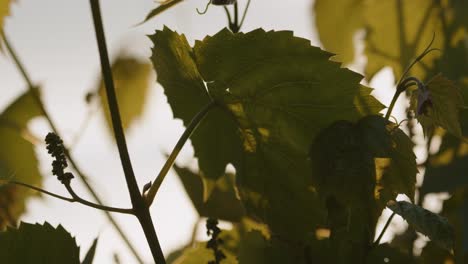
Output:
x,y
393,33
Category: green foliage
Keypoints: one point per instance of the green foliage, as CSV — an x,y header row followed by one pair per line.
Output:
x,y
337,26
90,254
163,6
270,107
430,224
395,31
35,243
439,105
18,159
222,202
315,165
132,82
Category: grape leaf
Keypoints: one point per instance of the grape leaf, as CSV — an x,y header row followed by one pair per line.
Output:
x,y
132,82
271,99
430,224
446,170
439,105
36,243
384,253
395,161
347,158
163,6
199,254
432,254
391,40
18,160
336,26
90,254
456,211
221,204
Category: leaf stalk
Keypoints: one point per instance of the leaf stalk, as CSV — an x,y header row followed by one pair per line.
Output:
x,y
151,193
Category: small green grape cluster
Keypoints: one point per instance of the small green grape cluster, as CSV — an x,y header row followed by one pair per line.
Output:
x,y
56,149
213,230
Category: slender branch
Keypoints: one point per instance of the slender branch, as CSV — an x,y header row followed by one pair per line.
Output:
x,y
228,15
75,198
141,210
236,18
97,206
112,102
71,200
75,166
244,14
377,242
401,87
151,193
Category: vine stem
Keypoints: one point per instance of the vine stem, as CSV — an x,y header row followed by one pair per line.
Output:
x,y
387,224
140,208
75,198
401,87
74,164
151,193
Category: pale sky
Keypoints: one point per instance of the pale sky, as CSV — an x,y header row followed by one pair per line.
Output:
x,y
56,42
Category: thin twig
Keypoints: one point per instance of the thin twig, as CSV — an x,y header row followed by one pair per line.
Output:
x,y
377,242
244,14
77,198
71,200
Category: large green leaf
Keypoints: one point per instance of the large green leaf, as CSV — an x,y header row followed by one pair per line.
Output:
x,y
35,243
221,204
384,253
395,161
430,224
447,169
132,82
347,159
439,105
337,22
396,31
274,92
17,158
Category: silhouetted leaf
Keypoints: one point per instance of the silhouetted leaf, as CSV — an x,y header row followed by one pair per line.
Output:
x,y
18,159
199,254
35,243
441,106
447,169
456,211
132,82
430,224
337,22
395,161
90,254
433,254
221,204
269,87
163,6
384,253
